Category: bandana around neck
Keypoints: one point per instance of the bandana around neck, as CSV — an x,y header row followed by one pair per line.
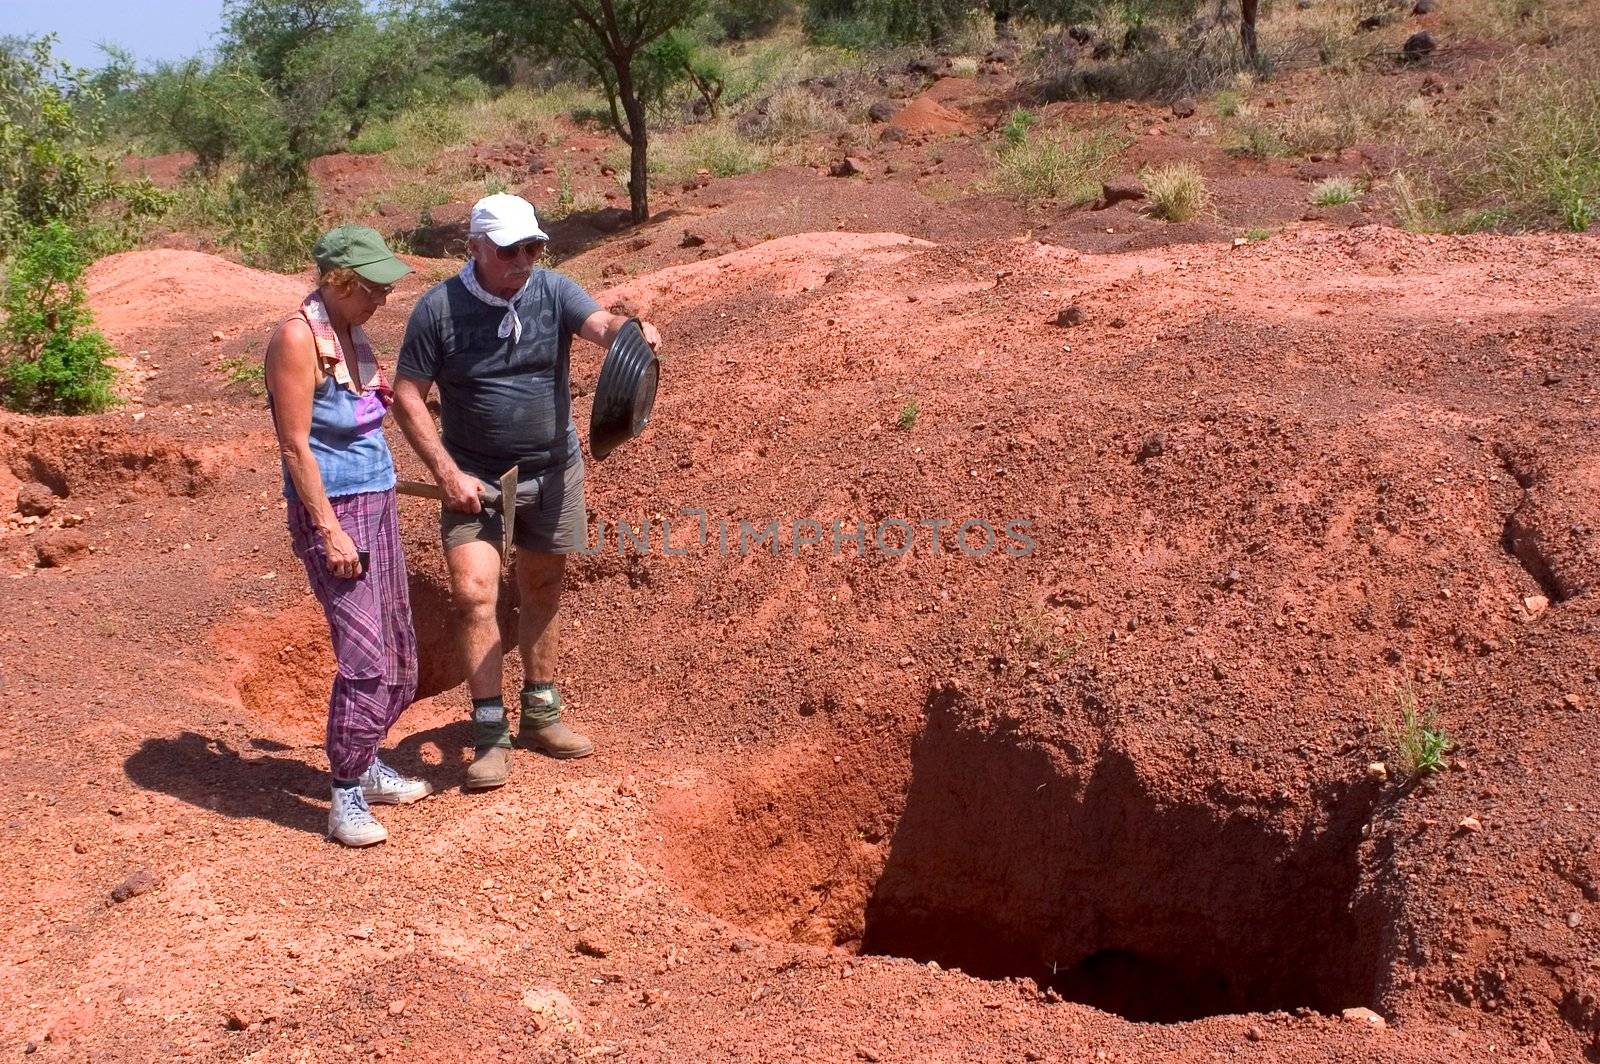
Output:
x,y
326,337
511,324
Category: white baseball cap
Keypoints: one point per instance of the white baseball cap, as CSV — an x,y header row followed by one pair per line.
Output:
x,y
505,219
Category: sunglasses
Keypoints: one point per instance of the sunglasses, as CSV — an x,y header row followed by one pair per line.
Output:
x,y
375,291
534,249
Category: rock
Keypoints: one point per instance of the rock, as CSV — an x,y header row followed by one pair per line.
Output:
x,y
1572,701
613,269
1154,446
1377,771
1365,1016
1574,918
35,500
1255,1034
1433,85
218,336
397,1007
882,110
1470,824
1552,377
60,547
1069,316
1122,189
691,239
849,166
1371,22
892,135
1418,46
1535,604
1185,107
593,946
1422,7
551,1008
141,882
80,847
1118,323
234,1020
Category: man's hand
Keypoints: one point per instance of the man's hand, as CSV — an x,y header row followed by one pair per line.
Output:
x,y
601,328
461,492
651,337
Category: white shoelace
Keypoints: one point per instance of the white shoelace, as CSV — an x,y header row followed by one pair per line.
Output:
x,y
511,324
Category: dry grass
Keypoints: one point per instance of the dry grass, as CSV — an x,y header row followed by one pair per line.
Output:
x,y
1177,192
715,147
1332,191
794,115
1416,203
1067,167
416,137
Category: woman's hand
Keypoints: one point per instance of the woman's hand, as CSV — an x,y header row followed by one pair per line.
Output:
x,y
343,561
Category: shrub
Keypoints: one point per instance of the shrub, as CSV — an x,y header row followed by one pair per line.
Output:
x,y
1229,103
1017,126
1332,191
1177,192
1416,204
795,114
1257,234
714,147
1420,743
1069,167
1259,140
51,358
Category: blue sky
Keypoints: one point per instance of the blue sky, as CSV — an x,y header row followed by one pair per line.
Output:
x,y
151,29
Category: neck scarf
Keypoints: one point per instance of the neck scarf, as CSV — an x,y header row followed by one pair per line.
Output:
x,y
511,324
315,313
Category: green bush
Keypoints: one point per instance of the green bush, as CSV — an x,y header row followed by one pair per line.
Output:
x,y
1017,126
1067,167
51,358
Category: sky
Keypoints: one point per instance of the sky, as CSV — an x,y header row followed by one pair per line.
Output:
x,y
151,29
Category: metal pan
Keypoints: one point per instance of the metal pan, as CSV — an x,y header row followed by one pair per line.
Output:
x,y
625,395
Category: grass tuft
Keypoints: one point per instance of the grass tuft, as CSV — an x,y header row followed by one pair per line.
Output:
x,y
1332,191
1419,741
908,415
1068,167
1177,192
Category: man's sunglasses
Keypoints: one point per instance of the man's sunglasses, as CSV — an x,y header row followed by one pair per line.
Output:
x,y
534,248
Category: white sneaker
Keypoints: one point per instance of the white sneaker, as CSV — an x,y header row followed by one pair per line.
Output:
x,y
382,785
350,821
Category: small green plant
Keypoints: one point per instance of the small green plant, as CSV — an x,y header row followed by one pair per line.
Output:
x,y
1332,191
52,360
908,415
1018,125
1068,167
1177,192
1257,234
245,371
1420,743
1258,140
1229,103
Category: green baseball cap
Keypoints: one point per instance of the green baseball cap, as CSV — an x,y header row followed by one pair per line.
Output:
x,y
362,250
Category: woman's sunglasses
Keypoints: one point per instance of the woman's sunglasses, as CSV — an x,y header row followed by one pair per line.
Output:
x,y
534,249
375,291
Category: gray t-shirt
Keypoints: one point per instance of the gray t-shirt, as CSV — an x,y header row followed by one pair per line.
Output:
x,y
502,402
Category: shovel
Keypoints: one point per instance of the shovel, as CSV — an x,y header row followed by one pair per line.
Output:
x,y
502,498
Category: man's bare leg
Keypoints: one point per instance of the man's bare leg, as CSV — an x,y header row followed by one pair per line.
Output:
x,y
539,580
475,592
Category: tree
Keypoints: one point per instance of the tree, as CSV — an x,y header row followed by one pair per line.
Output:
x,y
51,358
611,38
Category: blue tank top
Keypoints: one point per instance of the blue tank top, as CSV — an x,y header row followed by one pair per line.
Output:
x,y
347,442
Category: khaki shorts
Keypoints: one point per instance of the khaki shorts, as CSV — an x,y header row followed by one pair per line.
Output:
x,y
550,515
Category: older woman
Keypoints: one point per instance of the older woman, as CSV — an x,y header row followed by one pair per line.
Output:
x,y
328,399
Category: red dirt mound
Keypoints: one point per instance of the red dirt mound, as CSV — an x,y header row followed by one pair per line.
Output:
x,y
148,290
927,115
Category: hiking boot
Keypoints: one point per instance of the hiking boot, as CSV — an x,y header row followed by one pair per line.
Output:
x,y
382,785
541,726
351,822
556,740
490,767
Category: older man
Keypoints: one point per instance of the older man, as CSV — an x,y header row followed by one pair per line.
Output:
x,y
496,339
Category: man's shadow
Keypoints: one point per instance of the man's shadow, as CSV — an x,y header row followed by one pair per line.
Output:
x,y
287,790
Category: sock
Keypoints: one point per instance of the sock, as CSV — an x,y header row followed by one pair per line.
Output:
x,y
541,703
489,724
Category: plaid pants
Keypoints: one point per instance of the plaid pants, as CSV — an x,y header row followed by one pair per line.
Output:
x,y
369,619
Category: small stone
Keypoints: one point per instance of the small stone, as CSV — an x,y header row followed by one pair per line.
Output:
x,y
1365,1016
882,111
234,1021
218,336
1255,1034
1378,771
1535,604
1422,7
849,166
1154,446
1572,701
397,1007
593,946
1069,316
1118,323
35,500
742,945
1470,824
60,547
691,239
1552,377
1184,107
1574,918
1121,189
1418,46
80,847
140,882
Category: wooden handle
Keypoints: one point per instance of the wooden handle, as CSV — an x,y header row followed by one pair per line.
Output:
x,y
413,487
